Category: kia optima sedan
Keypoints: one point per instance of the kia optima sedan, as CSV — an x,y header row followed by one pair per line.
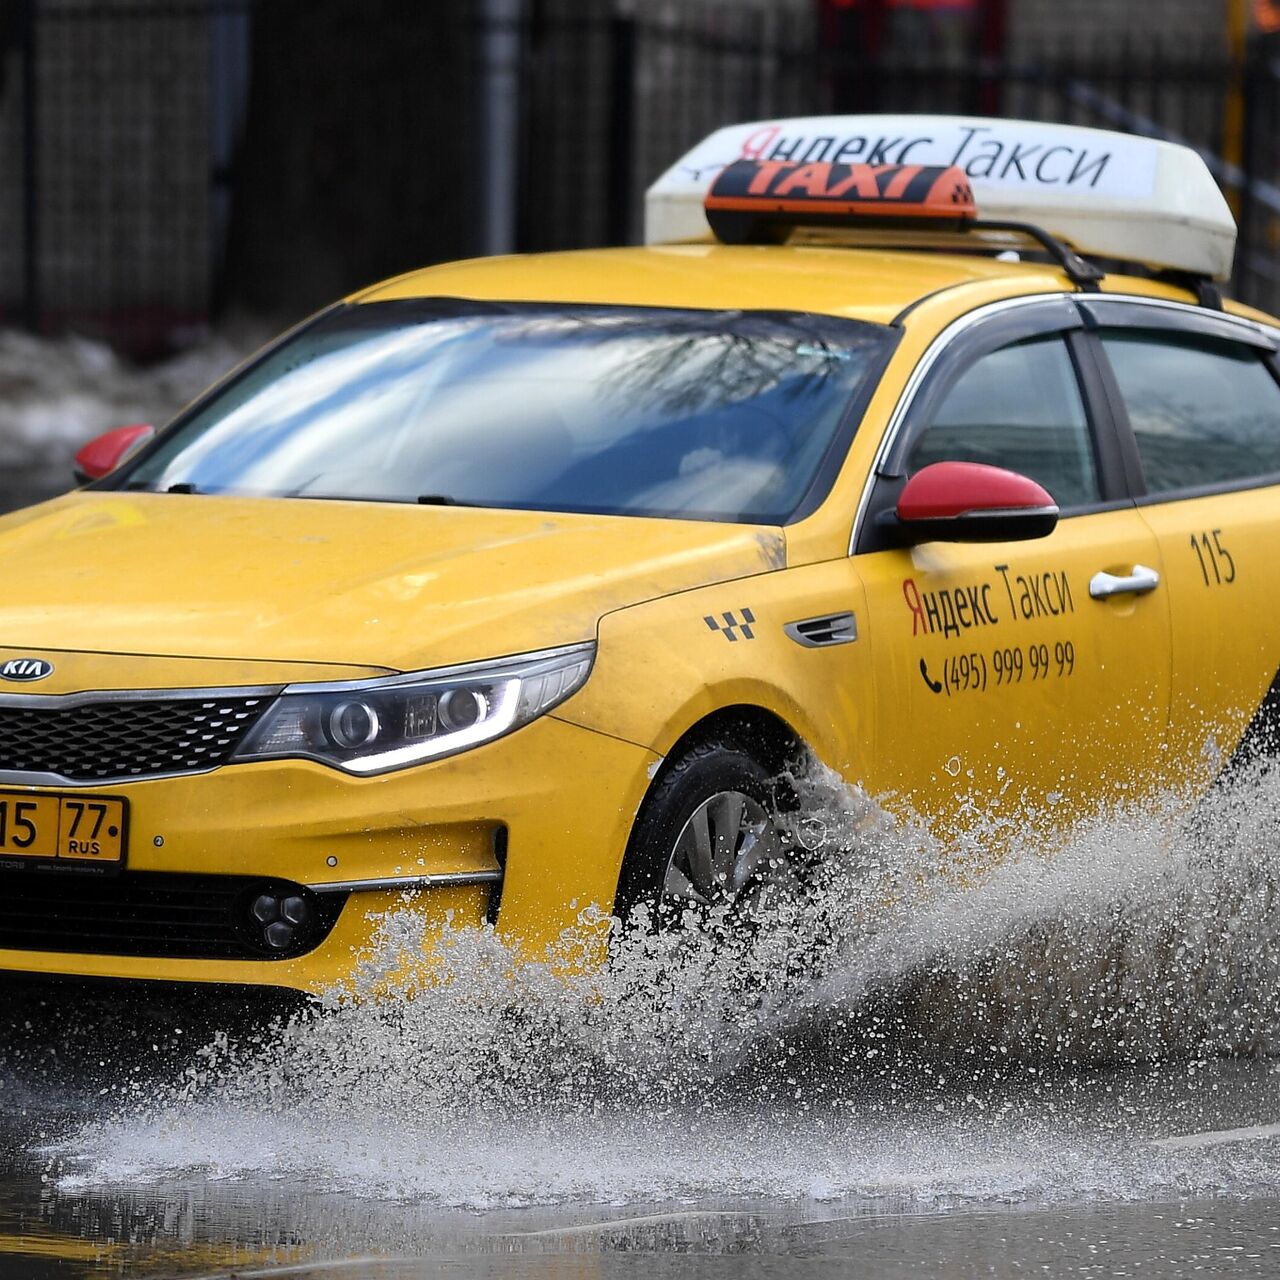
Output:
x,y
505,589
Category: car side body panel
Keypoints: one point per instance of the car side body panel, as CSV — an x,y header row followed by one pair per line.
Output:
x,y
1003,690
664,666
1221,555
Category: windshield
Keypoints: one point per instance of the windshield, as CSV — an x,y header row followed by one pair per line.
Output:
x,y
724,415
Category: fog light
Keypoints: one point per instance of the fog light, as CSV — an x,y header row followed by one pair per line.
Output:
x,y
266,909
295,911
279,936
282,921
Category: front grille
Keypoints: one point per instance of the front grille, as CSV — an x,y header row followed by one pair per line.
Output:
x,y
93,741
160,914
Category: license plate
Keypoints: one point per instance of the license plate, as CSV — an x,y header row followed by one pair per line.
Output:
x,y
73,829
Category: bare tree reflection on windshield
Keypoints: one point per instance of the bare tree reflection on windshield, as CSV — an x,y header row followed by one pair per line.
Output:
x,y
704,414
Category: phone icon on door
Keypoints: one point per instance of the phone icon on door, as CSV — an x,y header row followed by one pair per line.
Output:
x,y
935,685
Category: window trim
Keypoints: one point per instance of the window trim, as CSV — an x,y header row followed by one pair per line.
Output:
x,y
1148,314
1123,311
1054,317
1109,405
951,354
1118,465
833,460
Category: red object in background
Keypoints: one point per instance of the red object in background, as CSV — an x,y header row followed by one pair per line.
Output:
x,y
947,490
1266,16
104,453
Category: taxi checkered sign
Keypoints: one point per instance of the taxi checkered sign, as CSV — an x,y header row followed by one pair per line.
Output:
x,y
731,626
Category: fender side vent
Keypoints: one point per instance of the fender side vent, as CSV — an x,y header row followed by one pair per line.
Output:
x,y
817,633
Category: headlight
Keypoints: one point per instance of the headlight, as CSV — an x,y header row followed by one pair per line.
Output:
x,y
370,726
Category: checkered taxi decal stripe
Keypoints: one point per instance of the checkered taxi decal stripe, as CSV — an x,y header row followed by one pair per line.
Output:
x,y
733,626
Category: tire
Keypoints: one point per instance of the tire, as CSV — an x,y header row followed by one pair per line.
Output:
x,y
720,765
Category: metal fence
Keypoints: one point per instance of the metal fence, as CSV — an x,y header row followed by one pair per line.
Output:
x,y
163,160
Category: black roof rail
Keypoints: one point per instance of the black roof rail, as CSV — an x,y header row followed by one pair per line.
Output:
x,y
1083,273
770,226
1080,271
1208,292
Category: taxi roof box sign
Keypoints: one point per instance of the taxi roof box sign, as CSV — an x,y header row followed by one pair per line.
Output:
x,y
1110,195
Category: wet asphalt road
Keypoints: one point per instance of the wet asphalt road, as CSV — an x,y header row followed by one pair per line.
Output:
x,y
249,1229
1214,1210
264,1230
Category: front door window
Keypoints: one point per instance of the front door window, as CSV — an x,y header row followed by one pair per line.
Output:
x,y
1019,407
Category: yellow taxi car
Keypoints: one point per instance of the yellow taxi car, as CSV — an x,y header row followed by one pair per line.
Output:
x,y
923,444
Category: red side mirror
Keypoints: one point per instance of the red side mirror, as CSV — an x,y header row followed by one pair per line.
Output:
x,y
106,452
971,502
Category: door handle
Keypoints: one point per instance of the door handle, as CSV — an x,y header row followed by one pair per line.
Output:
x,y
1137,583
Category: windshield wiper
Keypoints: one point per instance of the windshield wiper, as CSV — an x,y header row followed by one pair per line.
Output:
x,y
425,500
145,486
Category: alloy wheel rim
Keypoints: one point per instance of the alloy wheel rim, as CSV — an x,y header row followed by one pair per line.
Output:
x,y
721,849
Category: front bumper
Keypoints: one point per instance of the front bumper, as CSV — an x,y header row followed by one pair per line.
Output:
x,y
541,816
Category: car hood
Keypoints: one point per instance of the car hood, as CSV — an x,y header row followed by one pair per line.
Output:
x,y
364,584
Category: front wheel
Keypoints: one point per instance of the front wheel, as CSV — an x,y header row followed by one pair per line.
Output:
x,y
706,834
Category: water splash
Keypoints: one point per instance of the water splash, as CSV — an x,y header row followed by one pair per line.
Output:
x,y
885,1027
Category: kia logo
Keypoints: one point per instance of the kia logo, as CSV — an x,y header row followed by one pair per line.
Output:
x,y
25,669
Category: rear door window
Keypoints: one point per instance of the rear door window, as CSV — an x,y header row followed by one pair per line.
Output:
x,y
1204,411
